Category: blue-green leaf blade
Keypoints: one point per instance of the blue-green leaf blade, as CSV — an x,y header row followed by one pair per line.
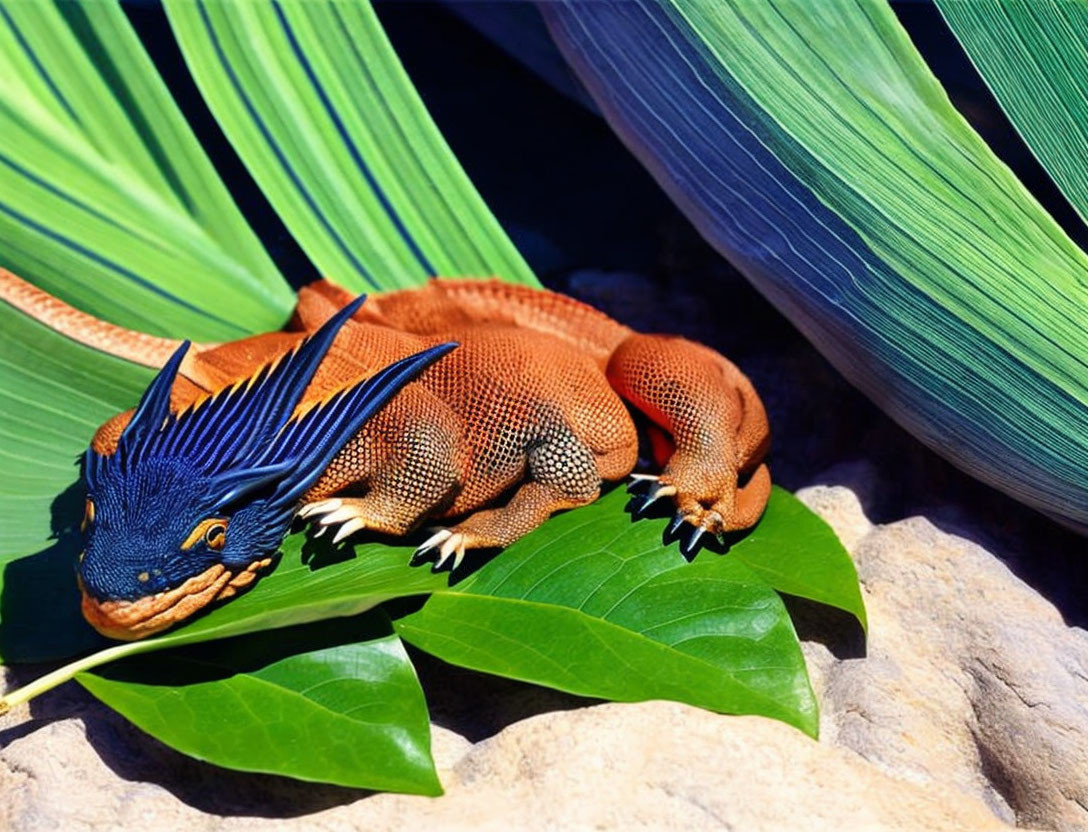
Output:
x,y
54,393
317,105
108,199
812,146
1034,57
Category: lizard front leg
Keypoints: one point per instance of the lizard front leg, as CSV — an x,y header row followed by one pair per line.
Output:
x,y
402,466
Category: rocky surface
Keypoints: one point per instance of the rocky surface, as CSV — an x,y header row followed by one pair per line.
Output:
x,y
971,678
968,709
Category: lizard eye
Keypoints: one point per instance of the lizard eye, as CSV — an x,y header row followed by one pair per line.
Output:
x,y
215,535
88,515
212,531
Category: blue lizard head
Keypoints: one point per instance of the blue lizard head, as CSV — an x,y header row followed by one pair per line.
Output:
x,y
191,505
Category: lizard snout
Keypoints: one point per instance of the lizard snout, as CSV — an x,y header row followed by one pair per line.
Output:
x,y
132,620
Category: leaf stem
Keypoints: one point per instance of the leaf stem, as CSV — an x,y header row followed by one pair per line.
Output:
x,y
63,674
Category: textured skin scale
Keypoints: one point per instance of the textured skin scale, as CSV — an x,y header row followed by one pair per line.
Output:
x,y
525,418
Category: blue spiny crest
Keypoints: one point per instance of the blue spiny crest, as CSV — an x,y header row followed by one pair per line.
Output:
x,y
220,482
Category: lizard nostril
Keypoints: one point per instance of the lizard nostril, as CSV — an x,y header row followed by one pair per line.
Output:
x,y
143,577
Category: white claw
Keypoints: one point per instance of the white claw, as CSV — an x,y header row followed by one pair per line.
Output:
x,y
353,525
432,541
654,477
320,507
455,547
339,515
320,531
663,491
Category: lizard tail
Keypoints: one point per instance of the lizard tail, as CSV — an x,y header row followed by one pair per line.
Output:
x,y
137,347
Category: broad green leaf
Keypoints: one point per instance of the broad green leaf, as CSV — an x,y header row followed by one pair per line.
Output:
x,y
1034,57
337,702
591,603
595,605
108,201
796,552
810,143
318,107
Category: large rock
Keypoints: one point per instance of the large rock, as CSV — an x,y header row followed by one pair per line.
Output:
x,y
971,678
969,710
656,765
666,766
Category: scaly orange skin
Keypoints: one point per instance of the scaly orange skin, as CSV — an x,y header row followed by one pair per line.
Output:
x,y
531,405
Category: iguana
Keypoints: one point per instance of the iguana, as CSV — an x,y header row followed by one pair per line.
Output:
x,y
475,402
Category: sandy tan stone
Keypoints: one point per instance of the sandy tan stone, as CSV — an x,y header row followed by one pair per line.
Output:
x,y
971,678
665,766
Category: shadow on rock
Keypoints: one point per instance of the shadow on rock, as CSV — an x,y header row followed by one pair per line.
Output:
x,y
137,757
134,756
839,631
478,706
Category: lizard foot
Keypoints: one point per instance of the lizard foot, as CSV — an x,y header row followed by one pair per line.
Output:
x,y
649,488
331,512
702,514
443,545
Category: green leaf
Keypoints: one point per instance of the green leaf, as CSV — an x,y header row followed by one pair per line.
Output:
x,y
312,582
54,393
337,702
812,146
592,603
108,200
318,107
1034,57
796,552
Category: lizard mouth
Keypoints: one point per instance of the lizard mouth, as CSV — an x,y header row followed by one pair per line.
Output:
x,y
132,620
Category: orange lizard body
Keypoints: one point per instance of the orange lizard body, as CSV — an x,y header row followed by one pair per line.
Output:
x,y
525,418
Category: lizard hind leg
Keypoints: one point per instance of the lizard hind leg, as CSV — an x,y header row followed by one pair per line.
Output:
x,y
563,473
717,426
